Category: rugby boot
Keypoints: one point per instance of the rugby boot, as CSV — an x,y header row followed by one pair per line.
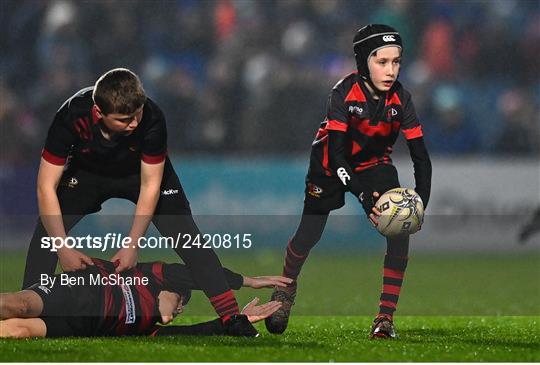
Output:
x,y
277,322
382,328
239,325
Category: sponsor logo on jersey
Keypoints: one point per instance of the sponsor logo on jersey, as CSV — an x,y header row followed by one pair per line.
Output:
x,y
169,192
388,38
392,112
72,182
314,190
343,175
356,110
130,304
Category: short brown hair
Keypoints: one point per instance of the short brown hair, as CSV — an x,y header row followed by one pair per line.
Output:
x,y
119,91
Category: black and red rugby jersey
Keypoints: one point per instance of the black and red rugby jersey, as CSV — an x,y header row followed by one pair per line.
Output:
x,y
75,133
129,310
371,125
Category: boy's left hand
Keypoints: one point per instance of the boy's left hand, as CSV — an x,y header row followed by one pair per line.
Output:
x,y
256,313
125,259
259,282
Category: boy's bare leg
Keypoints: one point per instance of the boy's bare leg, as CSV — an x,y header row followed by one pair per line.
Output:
x,y
22,304
23,328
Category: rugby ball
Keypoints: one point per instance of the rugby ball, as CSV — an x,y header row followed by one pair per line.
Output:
x,y
402,212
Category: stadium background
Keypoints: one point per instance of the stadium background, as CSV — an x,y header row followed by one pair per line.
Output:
x,y
244,84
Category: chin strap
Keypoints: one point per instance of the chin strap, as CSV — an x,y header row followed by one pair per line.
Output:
x,y
381,94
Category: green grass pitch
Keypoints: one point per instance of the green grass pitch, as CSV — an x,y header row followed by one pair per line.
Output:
x,y
453,307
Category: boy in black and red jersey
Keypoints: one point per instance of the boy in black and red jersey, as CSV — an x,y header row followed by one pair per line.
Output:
x,y
89,303
110,141
351,152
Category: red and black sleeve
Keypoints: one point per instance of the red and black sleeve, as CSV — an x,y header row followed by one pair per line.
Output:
x,y
60,138
337,116
154,149
412,130
178,277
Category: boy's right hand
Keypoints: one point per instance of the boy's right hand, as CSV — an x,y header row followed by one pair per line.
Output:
x,y
71,259
375,213
256,313
368,198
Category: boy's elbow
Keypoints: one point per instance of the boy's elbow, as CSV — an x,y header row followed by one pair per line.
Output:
x,y
44,191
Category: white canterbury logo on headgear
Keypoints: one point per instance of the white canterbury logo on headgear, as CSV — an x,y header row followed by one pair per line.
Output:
x,y
388,38
343,175
387,34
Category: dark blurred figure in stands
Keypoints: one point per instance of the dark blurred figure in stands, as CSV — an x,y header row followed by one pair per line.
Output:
x,y
531,228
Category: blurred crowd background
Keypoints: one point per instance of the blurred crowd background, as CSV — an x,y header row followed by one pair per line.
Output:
x,y
243,76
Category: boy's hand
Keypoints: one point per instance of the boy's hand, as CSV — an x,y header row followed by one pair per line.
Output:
x,y
373,217
367,198
256,313
125,259
169,305
71,259
259,282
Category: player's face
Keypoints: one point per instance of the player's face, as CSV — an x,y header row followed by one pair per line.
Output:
x,y
123,124
384,67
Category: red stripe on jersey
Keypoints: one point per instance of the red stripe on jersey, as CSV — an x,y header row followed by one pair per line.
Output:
x,y
380,129
109,316
394,274
391,289
336,125
82,126
372,162
393,99
147,301
322,133
154,159
55,160
325,158
157,270
78,127
356,94
412,133
355,148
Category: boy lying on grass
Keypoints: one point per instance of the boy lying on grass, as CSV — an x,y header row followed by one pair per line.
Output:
x,y
97,301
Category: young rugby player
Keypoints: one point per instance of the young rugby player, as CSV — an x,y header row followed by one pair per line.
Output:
x,y
110,141
97,301
351,152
